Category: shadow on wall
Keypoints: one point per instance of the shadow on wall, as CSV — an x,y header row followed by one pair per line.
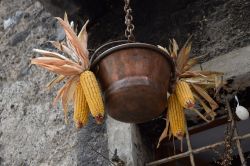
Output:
x,y
217,26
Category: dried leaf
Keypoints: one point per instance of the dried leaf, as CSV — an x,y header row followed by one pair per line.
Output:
x,y
175,48
66,50
72,89
206,81
196,80
50,54
200,115
206,96
67,95
183,56
58,79
163,49
57,65
71,67
188,74
59,94
52,68
164,133
190,64
83,36
72,25
54,62
57,45
48,61
71,36
218,84
208,110
208,76
209,73
66,71
71,47
170,50
66,18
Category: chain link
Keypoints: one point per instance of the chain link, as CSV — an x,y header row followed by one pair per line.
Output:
x,y
128,21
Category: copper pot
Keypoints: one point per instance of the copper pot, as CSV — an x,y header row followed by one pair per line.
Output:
x,y
135,78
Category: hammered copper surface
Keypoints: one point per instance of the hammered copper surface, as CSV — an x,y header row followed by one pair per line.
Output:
x,y
135,83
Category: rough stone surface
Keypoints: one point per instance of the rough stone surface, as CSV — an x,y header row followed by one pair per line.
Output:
x,y
32,132
217,26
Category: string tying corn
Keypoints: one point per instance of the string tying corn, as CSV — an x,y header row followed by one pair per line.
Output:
x,y
184,94
93,95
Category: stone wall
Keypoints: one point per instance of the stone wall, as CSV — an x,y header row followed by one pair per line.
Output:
x,y
32,132
217,26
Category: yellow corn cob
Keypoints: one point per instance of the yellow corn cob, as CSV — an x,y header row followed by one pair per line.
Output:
x,y
184,94
93,95
176,117
81,109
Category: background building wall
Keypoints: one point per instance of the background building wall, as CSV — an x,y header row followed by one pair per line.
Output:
x,y
32,132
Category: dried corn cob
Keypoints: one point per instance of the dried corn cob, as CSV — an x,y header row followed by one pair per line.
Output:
x,y
176,117
93,95
81,109
184,94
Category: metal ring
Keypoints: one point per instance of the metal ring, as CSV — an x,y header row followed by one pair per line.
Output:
x,y
93,56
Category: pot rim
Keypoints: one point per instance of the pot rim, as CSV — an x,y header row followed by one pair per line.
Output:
x,y
95,59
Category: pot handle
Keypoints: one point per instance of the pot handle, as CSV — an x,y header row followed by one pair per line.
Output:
x,y
100,49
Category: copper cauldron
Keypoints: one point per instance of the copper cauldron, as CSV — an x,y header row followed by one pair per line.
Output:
x,y
135,78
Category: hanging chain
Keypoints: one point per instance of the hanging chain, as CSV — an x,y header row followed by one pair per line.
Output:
x,y
128,21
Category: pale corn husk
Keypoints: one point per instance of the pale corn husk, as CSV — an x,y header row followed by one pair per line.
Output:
x,y
199,81
68,66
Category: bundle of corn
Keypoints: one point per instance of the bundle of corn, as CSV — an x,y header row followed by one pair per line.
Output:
x,y
191,88
81,85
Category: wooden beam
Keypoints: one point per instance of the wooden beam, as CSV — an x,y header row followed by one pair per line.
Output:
x,y
195,151
205,126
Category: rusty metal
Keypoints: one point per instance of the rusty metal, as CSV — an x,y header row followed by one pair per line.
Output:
x,y
128,21
135,78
